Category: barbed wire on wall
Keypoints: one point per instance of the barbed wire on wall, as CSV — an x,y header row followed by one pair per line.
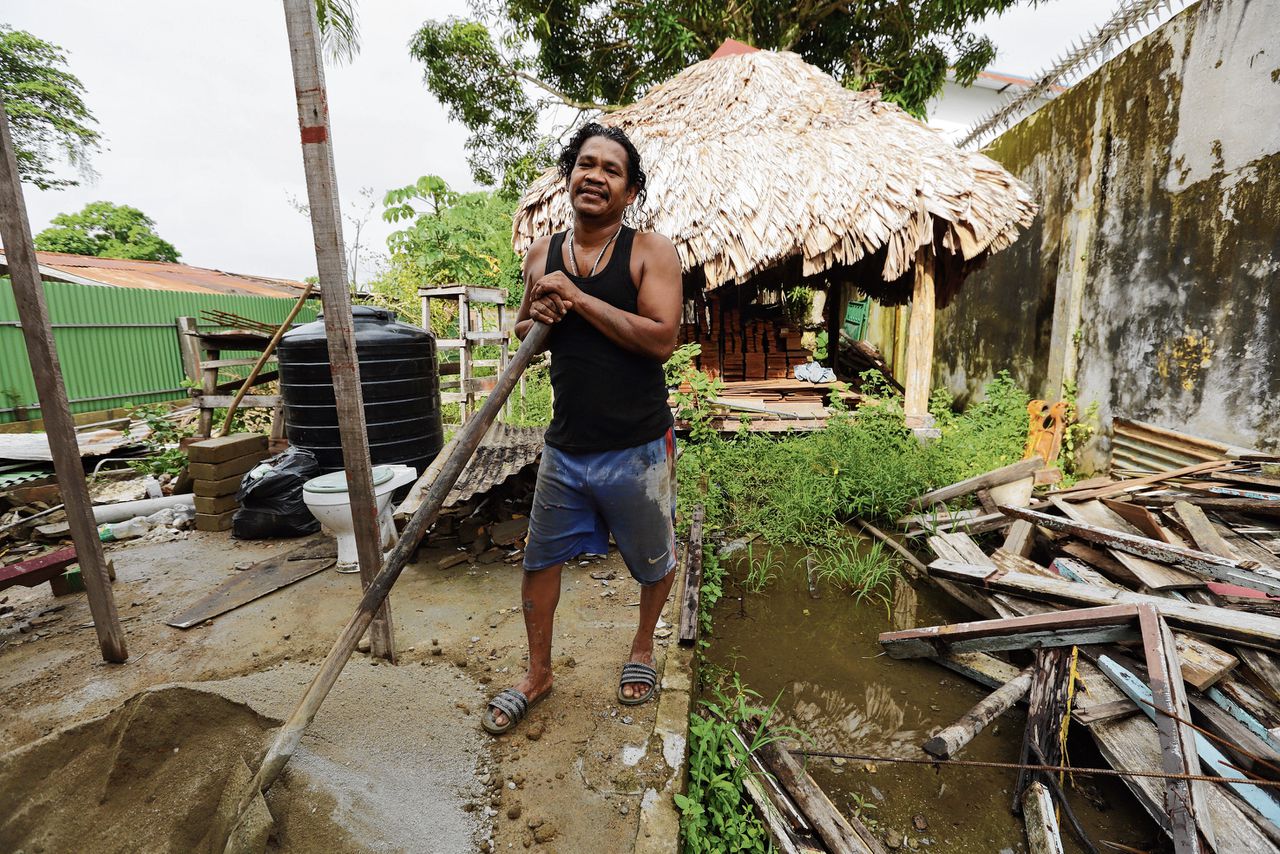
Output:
x,y
1131,20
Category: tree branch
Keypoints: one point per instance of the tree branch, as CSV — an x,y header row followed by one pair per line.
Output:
x,y
564,97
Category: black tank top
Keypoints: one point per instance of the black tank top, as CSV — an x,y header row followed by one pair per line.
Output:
x,y
606,398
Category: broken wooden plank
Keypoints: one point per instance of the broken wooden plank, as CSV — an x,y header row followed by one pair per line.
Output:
x,y
1048,703
1088,715
1265,666
1169,709
1016,563
1211,758
958,547
1132,744
1020,538
1213,502
1152,574
1142,520
841,835
1100,560
1131,484
951,740
265,577
1077,571
1250,629
1203,534
1262,578
1202,663
1265,481
1253,749
37,570
786,823
1005,474
1107,624
1041,821
980,667
1244,716
691,596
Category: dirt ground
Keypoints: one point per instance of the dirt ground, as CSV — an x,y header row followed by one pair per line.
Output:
x,y
135,756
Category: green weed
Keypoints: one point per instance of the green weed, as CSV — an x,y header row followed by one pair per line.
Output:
x,y
762,570
715,815
868,572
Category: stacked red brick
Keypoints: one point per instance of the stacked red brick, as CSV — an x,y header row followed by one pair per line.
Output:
x,y
738,347
217,466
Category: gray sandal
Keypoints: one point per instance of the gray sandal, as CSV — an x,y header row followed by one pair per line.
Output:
x,y
634,673
512,703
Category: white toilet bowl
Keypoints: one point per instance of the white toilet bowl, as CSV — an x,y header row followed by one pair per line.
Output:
x,y
327,499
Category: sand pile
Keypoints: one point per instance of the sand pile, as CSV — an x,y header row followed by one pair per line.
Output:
x,y
148,776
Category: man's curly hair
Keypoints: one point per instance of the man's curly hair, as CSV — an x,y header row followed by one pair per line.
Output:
x,y
635,175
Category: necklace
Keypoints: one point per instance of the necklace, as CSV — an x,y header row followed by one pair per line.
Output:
x,y
573,256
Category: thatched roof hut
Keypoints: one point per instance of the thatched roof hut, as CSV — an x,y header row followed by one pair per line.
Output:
x,y
764,168
756,159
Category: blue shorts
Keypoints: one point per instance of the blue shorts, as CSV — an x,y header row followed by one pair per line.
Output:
x,y
581,499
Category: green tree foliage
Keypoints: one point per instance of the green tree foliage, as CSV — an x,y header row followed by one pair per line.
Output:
x,y
597,54
339,29
47,113
448,237
106,230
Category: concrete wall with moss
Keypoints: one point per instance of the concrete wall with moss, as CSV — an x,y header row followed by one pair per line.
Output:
x,y
1150,281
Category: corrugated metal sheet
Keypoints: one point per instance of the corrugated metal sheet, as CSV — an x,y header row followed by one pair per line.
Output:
x,y
92,443
117,347
506,450
159,276
1141,448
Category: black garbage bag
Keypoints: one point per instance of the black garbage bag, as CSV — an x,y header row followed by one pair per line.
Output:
x,y
270,498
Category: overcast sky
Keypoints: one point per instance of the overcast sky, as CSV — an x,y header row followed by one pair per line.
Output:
x,y
196,103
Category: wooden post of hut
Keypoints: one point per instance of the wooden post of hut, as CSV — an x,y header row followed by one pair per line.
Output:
x,y
60,428
919,377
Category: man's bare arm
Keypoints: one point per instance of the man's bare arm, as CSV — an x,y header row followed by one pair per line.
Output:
x,y
535,259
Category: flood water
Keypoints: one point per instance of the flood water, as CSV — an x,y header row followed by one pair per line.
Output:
x,y
820,658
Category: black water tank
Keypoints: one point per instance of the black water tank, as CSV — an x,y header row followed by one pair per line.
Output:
x,y
399,379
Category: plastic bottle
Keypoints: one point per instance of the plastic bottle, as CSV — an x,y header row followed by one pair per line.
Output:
x,y
125,530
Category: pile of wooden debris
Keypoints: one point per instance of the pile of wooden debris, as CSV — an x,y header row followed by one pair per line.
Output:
x,y
1145,610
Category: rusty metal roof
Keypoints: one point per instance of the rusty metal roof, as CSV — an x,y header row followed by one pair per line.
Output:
x,y
505,451
156,276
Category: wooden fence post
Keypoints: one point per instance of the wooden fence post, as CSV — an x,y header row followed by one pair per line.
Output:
x,y
33,313
189,348
326,228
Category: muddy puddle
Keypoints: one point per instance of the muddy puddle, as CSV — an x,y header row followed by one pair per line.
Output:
x,y
820,658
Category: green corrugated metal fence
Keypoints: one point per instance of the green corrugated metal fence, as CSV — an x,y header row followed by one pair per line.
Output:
x,y
118,347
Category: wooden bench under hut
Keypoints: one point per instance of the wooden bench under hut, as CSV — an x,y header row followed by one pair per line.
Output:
x,y
769,176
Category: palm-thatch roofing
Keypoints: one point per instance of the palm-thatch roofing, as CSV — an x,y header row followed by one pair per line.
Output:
x,y
761,162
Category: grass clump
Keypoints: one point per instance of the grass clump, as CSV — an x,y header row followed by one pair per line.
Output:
x,y
801,488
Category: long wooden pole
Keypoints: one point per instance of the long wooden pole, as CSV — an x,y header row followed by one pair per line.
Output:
x,y
468,439
266,354
326,227
33,313
952,740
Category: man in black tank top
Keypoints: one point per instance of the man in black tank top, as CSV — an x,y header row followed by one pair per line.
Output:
x,y
612,297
